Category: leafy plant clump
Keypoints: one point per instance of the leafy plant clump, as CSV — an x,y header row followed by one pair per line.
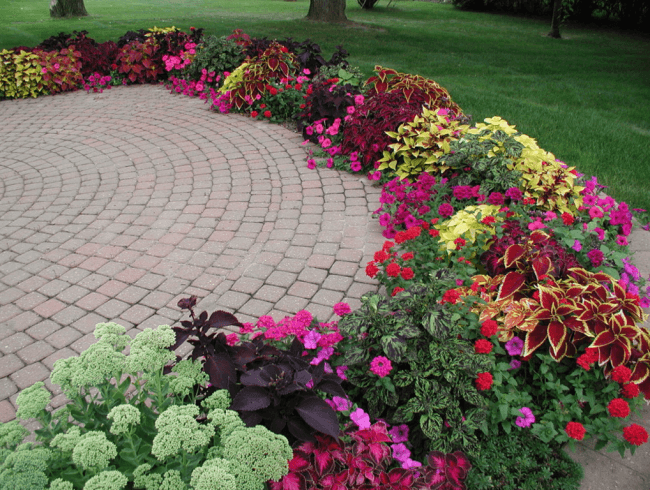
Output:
x,y
275,387
429,380
215,54
520,461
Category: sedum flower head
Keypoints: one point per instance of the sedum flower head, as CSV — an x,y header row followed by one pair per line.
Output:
x,y
178,428
12,434
67,441
149,351
219,399
107,480
98,363
123,417
62,373
94,451
25,468
60,484
32,401
190,373
226,421
257,455
143,479
112,334
213,474
172,481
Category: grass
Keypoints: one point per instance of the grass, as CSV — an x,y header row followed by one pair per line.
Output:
x,y
586,98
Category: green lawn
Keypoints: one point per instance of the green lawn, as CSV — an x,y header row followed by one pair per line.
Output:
x,y
585,98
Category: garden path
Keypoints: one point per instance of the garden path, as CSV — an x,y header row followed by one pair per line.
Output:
x,y
114,206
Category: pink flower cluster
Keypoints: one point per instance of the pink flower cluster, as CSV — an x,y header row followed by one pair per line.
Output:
x,y
97,83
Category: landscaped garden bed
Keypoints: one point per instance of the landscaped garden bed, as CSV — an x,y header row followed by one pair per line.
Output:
x,y
511,326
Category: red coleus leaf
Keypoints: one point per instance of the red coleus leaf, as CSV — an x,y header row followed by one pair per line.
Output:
x,y
620,352
273,63
512,283
513,253
641,371
557,335
291,481
534,339
606,337
542,266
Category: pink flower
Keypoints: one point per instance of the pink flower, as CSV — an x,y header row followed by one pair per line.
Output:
x,y
409,463
527,418
342,309
311,163
399,433
350,109
319,128
621,240
340,372
536,225
323,355
514,346
381,366
311,340
400,452
358,99
600,232
577,246
330,162
232,339
445,210
361,418
326,142
341,404
596,257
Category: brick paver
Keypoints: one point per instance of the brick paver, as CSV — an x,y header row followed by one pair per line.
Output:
x,y
219,206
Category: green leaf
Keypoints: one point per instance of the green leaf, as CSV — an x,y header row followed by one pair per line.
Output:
x,y
393,347
356,356
431,425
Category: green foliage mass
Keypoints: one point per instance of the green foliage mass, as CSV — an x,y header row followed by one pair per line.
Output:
x,y
215,54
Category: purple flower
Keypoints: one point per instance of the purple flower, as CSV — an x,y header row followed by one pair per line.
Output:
x,y
323,355
577,246
514,346
409,463
527,419
362,419
515,364
399,433
341,404
311,340
401,453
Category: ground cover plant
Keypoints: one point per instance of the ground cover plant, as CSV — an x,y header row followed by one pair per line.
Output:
x,y
514,309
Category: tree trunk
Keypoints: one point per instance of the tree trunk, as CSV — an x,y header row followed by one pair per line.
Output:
x,y
555,21
67,8
327,10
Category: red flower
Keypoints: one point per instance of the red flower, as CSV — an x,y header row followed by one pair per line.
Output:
x,y
630,390
401,237
567,219
371,269
267,113
489,220
635,434
393,269
254,114
489,328
452,296
407,256
381,256
483,381
396,290
434,233
460,243
618,408
262,106
482,346
407,273
387,246
273,91
621,374
575,430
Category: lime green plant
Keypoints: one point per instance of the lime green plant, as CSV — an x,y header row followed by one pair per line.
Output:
x,y
467,223
20,75
129,422
419,144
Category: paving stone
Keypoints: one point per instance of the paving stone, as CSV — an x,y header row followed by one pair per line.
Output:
x,y
63,337
35,352
27,376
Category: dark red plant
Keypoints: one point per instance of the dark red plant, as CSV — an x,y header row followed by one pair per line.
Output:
x,y
447,471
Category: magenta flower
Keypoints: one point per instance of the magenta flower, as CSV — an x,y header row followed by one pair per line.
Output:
x,y
342,309
401,453
596,212
514,346
514,193
577,246
341,404
311,340
361,418
340,371
496,199
381,366
621,240
596,257
527,419
445,210
399,433
515,364
409,463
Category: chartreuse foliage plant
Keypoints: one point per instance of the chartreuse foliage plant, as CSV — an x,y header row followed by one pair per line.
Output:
x,y
20,75
129,423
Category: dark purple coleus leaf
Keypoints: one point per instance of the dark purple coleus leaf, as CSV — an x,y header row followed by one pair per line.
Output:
x,y
221,371
251,398
319,415
300,430
251,419
187,303
220,319
331,387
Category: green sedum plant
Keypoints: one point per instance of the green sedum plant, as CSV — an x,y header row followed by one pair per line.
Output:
x,y
128,422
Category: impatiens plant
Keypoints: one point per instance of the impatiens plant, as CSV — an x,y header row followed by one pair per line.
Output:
x,y
127,421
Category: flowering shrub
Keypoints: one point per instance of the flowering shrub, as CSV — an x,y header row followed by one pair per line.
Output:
x,y
281,101
128,422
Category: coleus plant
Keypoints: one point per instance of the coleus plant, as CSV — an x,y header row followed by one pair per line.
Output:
x,y
136,61
269,385
364,463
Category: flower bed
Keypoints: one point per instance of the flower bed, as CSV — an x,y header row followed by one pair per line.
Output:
x,y
512,324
